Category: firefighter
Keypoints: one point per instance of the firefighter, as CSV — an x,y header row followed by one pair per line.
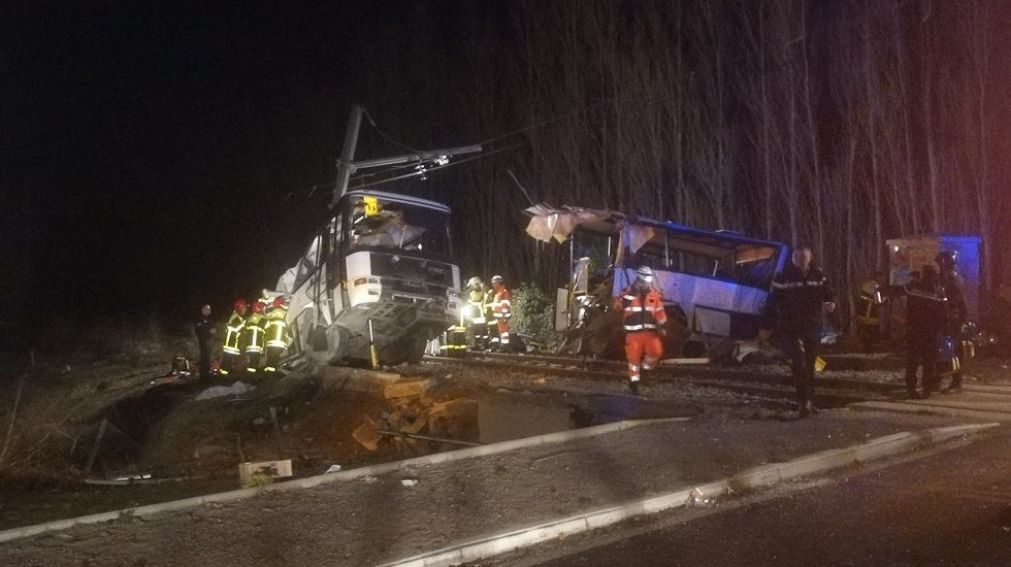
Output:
x,y
800,295
205,332
253,337
871,311
478,324
276,333
233,336
925,322
957,315
501,307
489,318
644,318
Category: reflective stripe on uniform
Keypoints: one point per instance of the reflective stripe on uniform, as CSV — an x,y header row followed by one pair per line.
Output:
x,y
644,326
276,330
255,345
795,285
648,362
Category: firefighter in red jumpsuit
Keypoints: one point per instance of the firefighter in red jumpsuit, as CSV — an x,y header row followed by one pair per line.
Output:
x,y
644,318
501,307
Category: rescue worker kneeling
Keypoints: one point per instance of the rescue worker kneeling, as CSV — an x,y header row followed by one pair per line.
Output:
x,y
644,318
252,337
276,332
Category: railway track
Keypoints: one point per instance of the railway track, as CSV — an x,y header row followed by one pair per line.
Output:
x,y
761,383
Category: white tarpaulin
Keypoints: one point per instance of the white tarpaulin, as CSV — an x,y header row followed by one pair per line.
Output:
x,y
548,223
632,238
294,276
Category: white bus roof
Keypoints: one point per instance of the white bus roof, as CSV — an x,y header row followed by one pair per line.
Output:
x,y
398,198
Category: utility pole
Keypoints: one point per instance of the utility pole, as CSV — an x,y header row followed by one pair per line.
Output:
x,y
346,166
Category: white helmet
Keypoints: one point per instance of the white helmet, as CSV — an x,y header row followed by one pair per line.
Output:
x,y
497,279
474,282
644,273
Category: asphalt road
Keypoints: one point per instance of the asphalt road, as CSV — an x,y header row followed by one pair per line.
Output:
x,y
949,507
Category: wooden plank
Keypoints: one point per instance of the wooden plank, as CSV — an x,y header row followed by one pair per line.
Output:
x,y
406,389
251,473
367,434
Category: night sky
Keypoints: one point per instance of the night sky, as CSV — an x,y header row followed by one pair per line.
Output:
x,y
159,157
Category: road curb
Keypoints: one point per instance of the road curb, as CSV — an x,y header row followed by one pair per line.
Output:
x,y
762,476
343,476
941,409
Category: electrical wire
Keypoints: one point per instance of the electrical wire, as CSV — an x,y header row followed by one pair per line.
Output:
x,y
426,171
386,136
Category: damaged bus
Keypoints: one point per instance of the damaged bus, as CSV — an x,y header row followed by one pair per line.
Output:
x,y
715,283
378,281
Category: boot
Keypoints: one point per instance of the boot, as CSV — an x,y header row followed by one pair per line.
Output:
x,y
807,408
634,387
956,385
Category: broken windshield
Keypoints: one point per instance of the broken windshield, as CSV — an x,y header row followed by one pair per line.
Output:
x,y
380,223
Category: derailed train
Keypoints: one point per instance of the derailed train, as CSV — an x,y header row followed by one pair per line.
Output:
x,y
377,282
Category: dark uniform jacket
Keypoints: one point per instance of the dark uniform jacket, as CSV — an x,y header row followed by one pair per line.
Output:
x,y
205,330
926,306
795,304
957,310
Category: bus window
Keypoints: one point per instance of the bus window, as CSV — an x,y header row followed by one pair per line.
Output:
x,y
376,223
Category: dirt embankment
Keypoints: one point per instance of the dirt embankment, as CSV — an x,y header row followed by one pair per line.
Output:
x,y
117,418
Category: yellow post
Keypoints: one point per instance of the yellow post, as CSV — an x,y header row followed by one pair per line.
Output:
x,y
373,351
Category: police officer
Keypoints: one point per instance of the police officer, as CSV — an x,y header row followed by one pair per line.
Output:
x,y
800,295
643,319
925,320
957,315
205,332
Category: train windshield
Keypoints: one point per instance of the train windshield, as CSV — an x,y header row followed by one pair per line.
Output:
x,y
379,223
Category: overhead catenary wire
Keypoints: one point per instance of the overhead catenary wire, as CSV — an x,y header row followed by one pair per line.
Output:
x,y
428,170
311,190
386,136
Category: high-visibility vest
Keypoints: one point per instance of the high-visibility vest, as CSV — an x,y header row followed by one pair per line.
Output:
x,y
254,334
641,311
233,333
871,301
475,304
501,306
276,329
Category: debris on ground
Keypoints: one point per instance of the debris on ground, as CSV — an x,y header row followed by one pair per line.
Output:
x,y
367,434
412,413
258,474
236,389
406,389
